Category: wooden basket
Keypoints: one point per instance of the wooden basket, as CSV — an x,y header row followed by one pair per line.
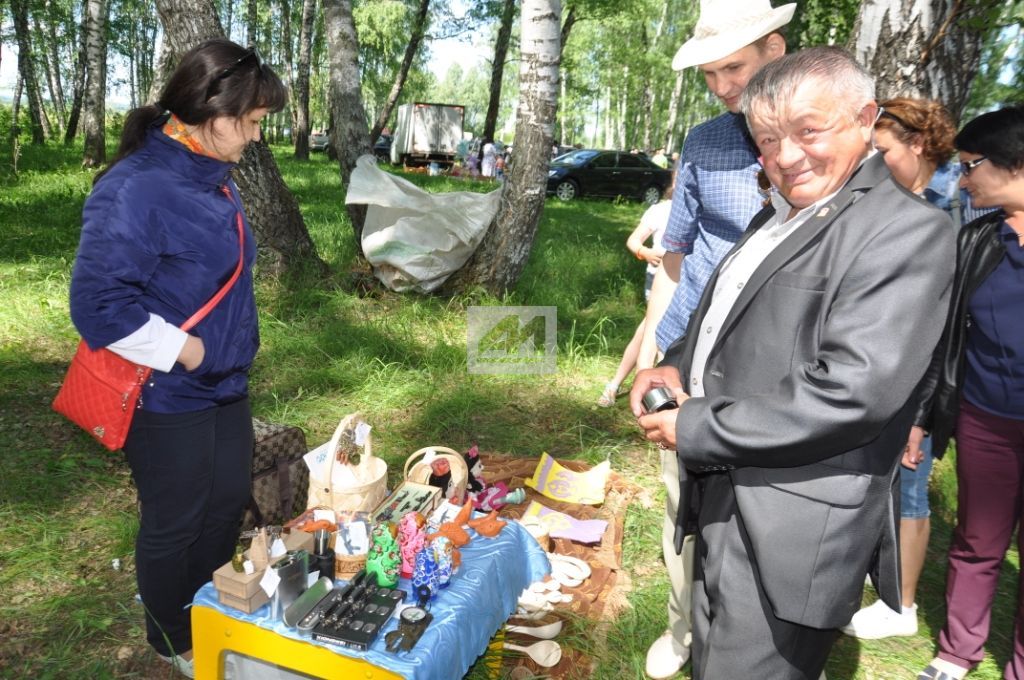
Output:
x,y
372,473
418,471
347,566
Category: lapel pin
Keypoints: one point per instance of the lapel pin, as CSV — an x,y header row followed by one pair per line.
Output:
x,y
823,212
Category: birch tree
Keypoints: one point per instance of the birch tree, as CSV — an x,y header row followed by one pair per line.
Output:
x,y
418,30
924,48
94,107
26,68
499,261
498,69
301,94
350,135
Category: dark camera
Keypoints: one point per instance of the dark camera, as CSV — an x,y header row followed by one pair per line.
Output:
x,y
659,399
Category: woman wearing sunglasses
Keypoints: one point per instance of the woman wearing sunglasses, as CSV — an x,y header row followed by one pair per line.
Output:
x,y
915,137
975,388
163,233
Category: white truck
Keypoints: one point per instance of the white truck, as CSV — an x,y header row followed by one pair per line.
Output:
x,y
427,133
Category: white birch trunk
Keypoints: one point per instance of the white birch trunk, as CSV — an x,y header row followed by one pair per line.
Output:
x,y
501,257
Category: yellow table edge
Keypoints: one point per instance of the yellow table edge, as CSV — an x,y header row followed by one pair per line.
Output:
x,y
214,633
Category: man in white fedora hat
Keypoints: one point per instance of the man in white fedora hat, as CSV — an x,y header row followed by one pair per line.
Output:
x,y
716,195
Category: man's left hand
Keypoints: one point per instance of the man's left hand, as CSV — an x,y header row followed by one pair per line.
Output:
x,y
660,427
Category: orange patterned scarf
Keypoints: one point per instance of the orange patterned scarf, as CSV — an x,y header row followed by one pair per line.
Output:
x,y
176,130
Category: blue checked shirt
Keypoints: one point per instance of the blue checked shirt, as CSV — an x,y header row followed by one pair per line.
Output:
x,y
714,200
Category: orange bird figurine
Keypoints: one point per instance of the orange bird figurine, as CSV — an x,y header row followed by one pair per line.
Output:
x,y
489,526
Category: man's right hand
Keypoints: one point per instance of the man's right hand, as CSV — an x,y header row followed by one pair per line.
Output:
x,y
661,376
912,454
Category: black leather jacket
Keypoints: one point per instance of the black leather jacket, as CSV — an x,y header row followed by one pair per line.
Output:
x,y
979,251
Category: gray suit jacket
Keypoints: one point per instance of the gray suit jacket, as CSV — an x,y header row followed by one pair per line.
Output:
x,y
807,392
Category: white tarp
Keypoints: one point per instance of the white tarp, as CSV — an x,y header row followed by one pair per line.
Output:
x,y
415,239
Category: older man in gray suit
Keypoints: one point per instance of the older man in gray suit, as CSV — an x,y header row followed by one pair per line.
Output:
x,y
794,379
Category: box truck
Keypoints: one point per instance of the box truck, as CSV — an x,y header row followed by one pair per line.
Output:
x,y
426,133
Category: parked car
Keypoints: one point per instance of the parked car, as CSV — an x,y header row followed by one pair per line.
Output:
x,y
318,141
382,148
593,172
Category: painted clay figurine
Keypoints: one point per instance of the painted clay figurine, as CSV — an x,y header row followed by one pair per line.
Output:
x,y
489,526
440,473
447,557
383,560
426,573
453,530
411,538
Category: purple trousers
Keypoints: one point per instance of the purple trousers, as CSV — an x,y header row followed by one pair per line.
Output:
x,y
990,474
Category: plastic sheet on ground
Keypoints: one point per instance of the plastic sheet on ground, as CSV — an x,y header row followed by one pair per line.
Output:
x,y
414,239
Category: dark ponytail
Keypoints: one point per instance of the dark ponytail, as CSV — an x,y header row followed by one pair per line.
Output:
x,y
217,78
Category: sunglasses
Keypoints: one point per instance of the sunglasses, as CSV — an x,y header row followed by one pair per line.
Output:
x,y
967,167
252,53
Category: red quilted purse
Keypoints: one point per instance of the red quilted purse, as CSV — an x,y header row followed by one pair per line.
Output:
x,y
102,389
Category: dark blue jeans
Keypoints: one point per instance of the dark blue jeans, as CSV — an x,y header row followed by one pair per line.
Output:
x,y
193,474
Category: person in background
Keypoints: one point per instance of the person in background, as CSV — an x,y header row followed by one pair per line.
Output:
x,y
490,155
160,236
715,197
652,226
659,158
915,137
974,388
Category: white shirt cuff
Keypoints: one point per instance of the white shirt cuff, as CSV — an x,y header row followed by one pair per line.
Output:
x,y
155,344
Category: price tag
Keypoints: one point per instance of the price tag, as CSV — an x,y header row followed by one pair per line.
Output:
x,y
358,538
362,431
324,514
270,581
248,567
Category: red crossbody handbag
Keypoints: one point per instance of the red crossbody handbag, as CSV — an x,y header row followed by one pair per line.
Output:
x,y
102,389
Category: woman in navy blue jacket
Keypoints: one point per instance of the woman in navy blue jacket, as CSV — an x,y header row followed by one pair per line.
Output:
x,y
159,239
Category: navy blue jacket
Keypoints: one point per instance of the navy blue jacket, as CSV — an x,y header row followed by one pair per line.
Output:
x,y
160,236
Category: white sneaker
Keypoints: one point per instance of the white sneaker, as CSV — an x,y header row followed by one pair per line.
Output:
x,y
181,664
877,621
666,657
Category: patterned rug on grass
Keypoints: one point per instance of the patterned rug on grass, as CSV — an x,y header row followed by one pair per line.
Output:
x,y
601,597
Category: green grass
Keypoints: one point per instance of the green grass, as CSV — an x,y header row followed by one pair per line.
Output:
x,y
332,345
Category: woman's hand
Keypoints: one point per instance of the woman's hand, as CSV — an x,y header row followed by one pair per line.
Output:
x,y
912,454
192,353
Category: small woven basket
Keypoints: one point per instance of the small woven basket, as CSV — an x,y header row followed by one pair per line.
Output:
x,y
416,470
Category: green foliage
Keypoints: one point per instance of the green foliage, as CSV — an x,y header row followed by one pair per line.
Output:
x,y
1000,79
821,22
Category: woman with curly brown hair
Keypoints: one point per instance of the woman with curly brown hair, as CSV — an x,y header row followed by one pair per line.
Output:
x,y
915,136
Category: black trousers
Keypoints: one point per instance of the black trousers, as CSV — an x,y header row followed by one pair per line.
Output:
x,y
193,475
735,632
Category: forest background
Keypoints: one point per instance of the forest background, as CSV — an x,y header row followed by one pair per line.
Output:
x,y
333,340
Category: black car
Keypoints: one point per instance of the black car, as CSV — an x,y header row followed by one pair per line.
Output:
x,y
591,172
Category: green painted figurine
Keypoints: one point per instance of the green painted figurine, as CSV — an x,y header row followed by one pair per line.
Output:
x,y
384,558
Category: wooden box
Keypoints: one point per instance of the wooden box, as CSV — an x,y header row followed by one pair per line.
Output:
x,y
247,605
243,586
422,498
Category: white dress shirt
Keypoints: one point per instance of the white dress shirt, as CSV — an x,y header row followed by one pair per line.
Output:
x,y
735,273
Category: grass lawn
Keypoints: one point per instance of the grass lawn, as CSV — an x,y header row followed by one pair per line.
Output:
x,y
67,507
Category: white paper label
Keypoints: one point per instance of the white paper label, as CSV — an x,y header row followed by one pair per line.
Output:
x,y
362,431
324,514
277,548
358,538
248,567
317,461
270,581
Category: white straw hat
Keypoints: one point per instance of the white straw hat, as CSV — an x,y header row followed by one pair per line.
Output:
x,y
726,26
